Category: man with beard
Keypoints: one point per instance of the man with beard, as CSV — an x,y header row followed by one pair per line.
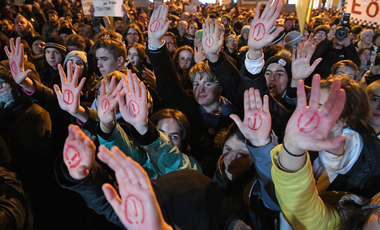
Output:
x,y
119,25
51,25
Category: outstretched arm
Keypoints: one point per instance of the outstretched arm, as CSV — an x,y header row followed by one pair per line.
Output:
x,y
137,207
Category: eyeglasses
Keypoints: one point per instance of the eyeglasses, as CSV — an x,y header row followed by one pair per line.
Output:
x,y
170,43
319,33
132,34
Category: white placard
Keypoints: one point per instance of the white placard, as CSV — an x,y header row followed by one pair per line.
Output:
x,y
112,8
18,2
195,2
86,5
157,3
363,11
141,3
191,9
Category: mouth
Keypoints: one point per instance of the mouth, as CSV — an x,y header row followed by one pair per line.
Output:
x,y
271,87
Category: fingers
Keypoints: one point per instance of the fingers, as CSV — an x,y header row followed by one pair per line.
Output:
x,y
247,104
237,120
112,196
140,174
301,95
102,87
136,86
316,63
69,72
257,14
259,104
252,100
62,75
315,92
266,104
81,84
330,143
111,86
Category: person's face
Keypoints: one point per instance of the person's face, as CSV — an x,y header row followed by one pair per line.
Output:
x,y
184,17
206,92
133,56
53,17
373,222
245,35
185,58
221,29
119,26
21,25
366,55
225,21
106,61
277,79
169,43
53,57
346,70
87,33
320,36
374,104
197,41
81,30
182,27
64,37
193,29
237,158
38,47
76,61
172,129
132,36
4,87
231,42
142,18
367,39
377,41
288,24
76,26
6,27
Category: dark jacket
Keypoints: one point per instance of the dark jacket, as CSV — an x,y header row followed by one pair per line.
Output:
x,y
234,84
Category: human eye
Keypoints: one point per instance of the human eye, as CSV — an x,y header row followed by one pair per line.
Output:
x,y
195,84
267,73
374,99
209,84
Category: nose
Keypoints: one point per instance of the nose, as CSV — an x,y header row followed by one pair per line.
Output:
x,y
201,88
99,64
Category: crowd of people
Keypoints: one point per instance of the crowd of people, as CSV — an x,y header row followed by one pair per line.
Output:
x,y
228,118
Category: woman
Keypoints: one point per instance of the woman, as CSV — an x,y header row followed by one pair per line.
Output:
x,y
133,34
243,38
373,92
365,58
345,67
183,61
137,56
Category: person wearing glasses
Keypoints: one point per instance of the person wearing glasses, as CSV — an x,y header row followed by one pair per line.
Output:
x,y
133,34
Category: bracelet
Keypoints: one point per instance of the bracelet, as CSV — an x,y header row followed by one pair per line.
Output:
x,y
248,142
282,167
291,154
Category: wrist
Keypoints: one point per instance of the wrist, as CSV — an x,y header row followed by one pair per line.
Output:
x,y
292,148
254,54
141,129
107,127
28,85
294,83
256,143
213,57
81,114
153,42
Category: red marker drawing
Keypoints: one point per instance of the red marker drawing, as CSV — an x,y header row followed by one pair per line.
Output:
x,y
154,26
255,123
308,122
209,41
257,36
72,156
134,210
134,108
14,67
105,105
68,97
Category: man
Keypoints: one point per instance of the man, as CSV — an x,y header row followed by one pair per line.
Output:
x,y
288,24
120,25
24,29
170,42
7,28
51,25
182,31
185,16
226,21
75,42
320,33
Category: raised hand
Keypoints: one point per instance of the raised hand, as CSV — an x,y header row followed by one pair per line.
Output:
x,y
16,60
199,54
257,121
309,126
107,101
78,153
149,79
158,26
211,42
261,24
137,208
133,105
69,97
301,68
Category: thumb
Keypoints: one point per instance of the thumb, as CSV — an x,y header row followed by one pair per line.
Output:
x,y
316,63
57,90
236,119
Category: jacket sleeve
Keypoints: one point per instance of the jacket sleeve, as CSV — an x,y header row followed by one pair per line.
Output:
x,y
263,164
90,188
173,95
120,139
164,156
351,54
298,197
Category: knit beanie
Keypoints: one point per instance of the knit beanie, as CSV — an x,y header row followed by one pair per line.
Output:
x,y
228,18
321,28
82,55
56,42
245,28
366,32
292,38
278,38
35,38
282,61
199,33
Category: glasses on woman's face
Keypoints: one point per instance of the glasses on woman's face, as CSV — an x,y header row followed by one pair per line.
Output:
x,y
132,34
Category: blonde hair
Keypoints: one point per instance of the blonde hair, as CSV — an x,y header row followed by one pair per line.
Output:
x,y
202,70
